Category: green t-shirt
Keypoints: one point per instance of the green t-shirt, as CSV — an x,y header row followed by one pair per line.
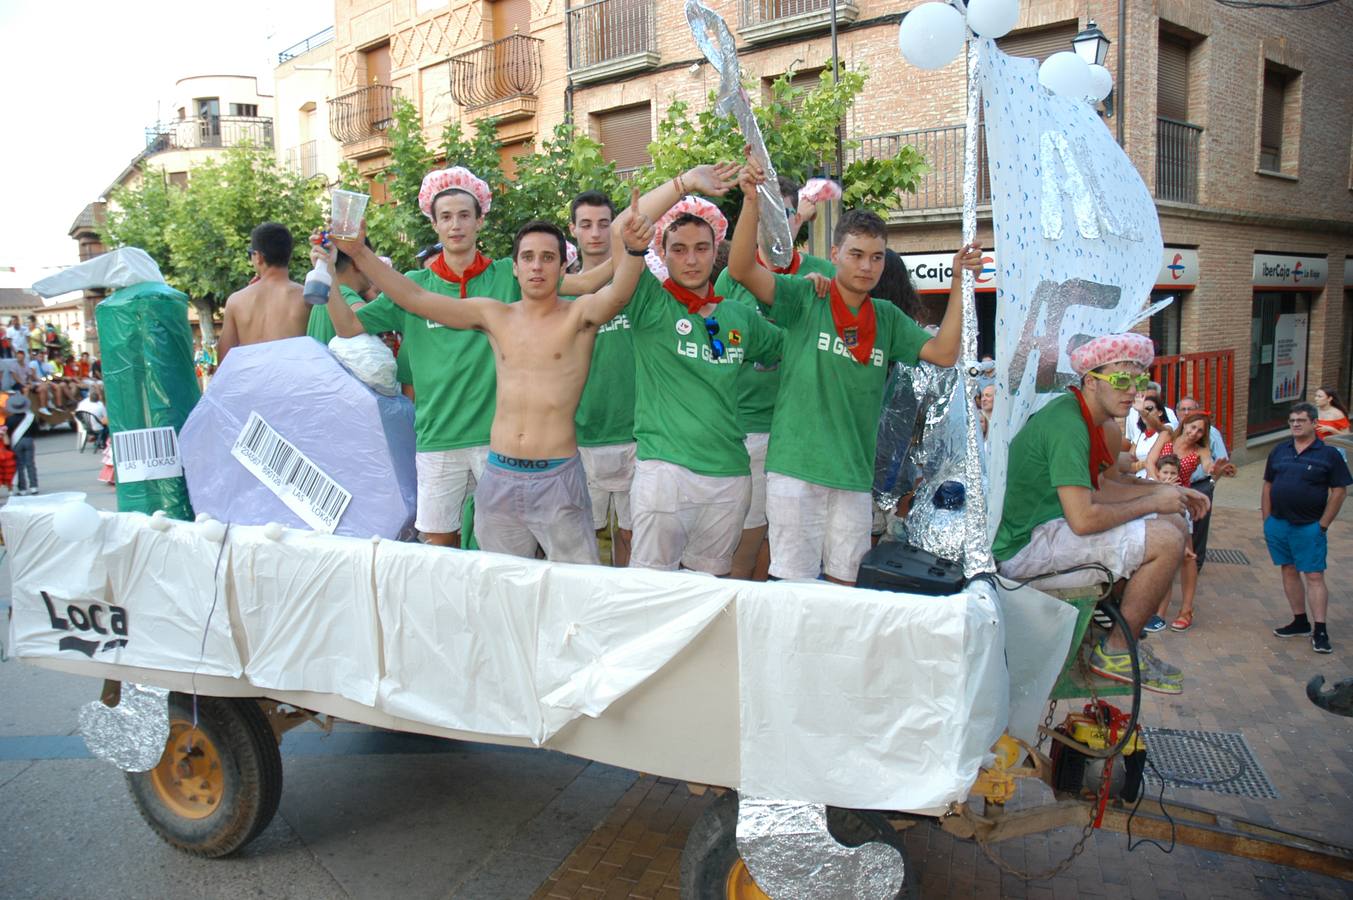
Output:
x,y
321,327
685,401
403,373
454,382
758,384
1052,450
826,422
606,409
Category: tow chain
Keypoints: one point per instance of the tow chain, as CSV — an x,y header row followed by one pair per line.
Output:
x,y
1052,872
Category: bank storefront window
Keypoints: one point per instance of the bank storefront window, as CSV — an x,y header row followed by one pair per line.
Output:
x,y
1280,326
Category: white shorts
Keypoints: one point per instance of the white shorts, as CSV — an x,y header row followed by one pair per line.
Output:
x,y
756,448
610,472
445,477
815,529
1053,546
518,510
682,519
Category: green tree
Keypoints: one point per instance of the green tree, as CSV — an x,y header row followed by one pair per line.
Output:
x,y
800,131
199,234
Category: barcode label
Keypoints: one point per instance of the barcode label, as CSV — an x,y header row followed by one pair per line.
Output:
x,y
144,454
290,474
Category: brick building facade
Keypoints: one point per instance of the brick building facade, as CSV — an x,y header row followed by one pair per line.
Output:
x,y
1239,121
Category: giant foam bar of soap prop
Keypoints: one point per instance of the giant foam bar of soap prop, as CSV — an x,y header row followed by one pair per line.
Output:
x,y
285,434
150,385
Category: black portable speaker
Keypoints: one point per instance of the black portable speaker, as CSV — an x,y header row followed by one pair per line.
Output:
x,y
899,567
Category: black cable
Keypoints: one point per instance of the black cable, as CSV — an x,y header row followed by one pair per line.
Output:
x,y
1141,792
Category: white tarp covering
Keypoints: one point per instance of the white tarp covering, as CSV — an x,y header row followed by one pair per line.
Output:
x,y
108,271
848,697
865,698
128,596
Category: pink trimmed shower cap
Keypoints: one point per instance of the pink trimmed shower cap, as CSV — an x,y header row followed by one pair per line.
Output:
x,y
696,206
1112,348
457,178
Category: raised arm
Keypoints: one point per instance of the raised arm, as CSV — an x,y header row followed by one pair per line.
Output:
x,y
942,349
575,284
742,264
628,245
344,318
452,312
709,180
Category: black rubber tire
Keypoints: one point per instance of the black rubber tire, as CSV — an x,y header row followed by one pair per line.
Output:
x,y
251,766
711,848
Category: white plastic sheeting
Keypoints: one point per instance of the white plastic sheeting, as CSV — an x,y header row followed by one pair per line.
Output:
x,y
108,271
848,697
868,699
129,596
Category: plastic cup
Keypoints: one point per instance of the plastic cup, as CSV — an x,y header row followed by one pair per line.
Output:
x,y
347,212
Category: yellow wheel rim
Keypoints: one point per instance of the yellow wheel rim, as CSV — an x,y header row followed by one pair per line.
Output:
x,y
740,885
189,779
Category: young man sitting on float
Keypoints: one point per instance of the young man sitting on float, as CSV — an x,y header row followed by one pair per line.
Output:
x,y
1067,505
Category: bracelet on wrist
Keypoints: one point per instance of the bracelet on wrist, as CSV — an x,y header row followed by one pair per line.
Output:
x,y
632,252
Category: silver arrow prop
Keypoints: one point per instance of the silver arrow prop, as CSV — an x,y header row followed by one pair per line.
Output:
x,y
716,43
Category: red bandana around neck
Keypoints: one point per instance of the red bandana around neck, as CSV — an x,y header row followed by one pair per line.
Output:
x,y
689,298
476,268
792,269
855,329
1100,457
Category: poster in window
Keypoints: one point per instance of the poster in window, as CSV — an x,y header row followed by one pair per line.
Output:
x,y
1289,358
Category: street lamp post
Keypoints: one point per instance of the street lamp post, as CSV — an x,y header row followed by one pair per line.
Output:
x,y
1092,45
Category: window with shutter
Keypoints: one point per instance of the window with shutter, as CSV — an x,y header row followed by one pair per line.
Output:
x,y
1040,43
1271,121
1172,79
624,135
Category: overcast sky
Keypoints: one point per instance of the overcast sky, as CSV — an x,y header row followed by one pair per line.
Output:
x,y
84,79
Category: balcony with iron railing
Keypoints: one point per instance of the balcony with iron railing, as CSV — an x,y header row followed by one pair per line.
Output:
x,y
1177,145
209,132
767,20
498,80
359,119
608,38
303,159
941,188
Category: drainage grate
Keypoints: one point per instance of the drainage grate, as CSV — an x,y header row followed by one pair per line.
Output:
x,y
1234,557
1217,761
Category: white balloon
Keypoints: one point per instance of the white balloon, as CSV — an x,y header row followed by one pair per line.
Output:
x,y
931,35
1065,74
159,521
1101,83
992,18
212,530
273,531
76,521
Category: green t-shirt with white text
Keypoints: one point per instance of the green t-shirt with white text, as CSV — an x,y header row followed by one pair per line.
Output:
x,y
685,409
606,409
1052,450
825,427
758,384
321,327
454,380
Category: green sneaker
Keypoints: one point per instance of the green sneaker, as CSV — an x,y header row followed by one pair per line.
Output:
x,y
1146,654
1118,667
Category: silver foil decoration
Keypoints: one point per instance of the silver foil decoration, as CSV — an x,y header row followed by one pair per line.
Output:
x,y
716,42
977,556
939,456
131,735
791,854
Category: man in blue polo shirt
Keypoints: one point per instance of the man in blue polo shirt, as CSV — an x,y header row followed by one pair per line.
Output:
x,y
1305,483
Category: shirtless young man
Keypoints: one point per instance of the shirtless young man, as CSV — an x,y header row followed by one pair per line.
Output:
x,y
271,308
533,491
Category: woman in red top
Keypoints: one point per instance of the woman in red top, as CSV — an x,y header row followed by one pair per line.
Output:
x,y
1190,445
1332,414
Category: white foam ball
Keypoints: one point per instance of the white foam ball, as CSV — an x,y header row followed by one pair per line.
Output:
x,y
931,35
201,517
159,521
75,521
273,531
992,18
1101,83
1065,74
213,530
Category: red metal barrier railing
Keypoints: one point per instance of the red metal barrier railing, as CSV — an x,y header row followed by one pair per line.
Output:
x,y
1209,378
